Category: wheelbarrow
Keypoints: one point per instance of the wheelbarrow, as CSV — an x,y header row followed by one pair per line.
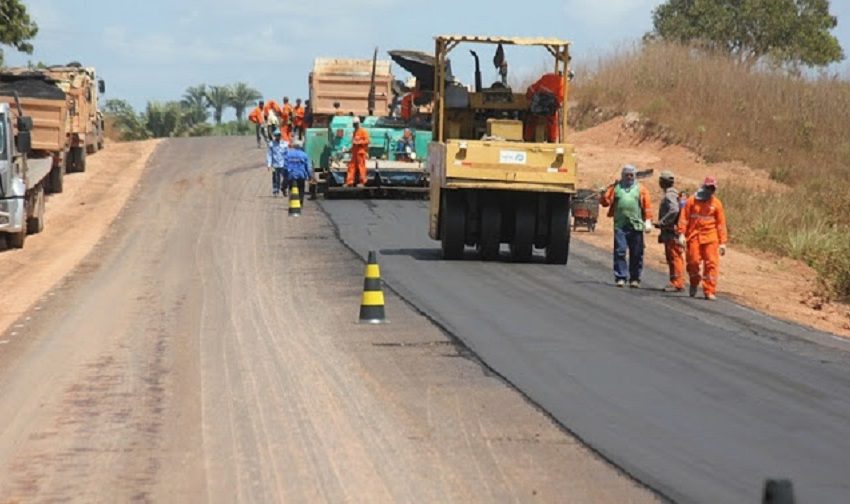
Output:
x,y
585,209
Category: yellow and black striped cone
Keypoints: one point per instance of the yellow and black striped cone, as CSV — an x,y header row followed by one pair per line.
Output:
x,y
372,305
294,202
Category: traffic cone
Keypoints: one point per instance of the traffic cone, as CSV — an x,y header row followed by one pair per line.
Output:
x,y
294,202
372,305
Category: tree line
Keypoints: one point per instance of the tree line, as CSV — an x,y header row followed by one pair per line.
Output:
x,y
188,116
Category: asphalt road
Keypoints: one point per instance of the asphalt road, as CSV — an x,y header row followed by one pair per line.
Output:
x,y
701,401
207,351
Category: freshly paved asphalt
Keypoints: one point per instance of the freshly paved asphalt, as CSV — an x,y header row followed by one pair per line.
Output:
x,y
701,401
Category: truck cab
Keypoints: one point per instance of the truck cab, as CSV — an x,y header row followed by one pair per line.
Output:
x,y
14,194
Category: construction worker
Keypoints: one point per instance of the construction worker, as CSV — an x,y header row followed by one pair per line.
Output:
x,y
298,168
545,98
702,230
308,114
286,119
271,116
405,149
359,155
298,120
408,104
256,117
276,162
630,206
668,221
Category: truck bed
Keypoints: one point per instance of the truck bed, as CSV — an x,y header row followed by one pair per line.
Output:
x,y
48,109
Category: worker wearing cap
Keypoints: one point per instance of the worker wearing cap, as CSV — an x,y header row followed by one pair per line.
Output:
x,y
276,162
629,205
256,117
359,155
298,167
298,120
702,230
668,220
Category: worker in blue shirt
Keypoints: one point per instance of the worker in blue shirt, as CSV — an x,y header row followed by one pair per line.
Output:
x,y
298,167
276,161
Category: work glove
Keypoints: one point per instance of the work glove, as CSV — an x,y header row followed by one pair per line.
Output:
x,y
647,226
681,240
723,250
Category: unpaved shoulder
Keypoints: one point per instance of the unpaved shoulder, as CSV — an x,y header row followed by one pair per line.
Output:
x,y
74,222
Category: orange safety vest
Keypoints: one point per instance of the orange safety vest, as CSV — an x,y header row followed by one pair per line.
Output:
x,y
256,115
361,140
704,221
299,116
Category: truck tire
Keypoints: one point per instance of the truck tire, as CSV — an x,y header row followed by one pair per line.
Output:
x,y
56,179
35,223
523,239
16,241
91,149
558,248
491,231
76,160
452,224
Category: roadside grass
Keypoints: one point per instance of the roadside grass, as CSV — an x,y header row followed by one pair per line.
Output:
x,y
798,129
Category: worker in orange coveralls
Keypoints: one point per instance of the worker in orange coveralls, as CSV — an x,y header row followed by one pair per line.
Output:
x,y
298,120
256,117
408,104
702,229
359,155
668,222
545,97
286,117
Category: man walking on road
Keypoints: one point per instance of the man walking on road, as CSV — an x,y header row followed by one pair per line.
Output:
x,y
298,168
702,230
298,120
631,209
256,116
359,155
668,220
276,162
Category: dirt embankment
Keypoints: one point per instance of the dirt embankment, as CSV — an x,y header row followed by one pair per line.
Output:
x,y
779,286
74,222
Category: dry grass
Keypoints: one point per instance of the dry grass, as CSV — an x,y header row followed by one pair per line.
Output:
x,y
797,129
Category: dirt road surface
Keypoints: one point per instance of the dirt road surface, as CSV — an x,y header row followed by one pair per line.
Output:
x,y
206,350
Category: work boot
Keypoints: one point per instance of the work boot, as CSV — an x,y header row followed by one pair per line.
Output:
x,y
693,290
621,283
634,284
673,288
710,297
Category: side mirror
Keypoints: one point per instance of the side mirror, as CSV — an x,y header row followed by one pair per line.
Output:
x,y
24,142
24,123
101,86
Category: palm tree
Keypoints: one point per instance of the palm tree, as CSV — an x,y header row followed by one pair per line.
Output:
x,y
241,97
218,97
194,105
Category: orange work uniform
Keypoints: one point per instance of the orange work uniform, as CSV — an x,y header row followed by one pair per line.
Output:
x,y
407,104
286,118
553,84
298,117
256,115
704,225
359,155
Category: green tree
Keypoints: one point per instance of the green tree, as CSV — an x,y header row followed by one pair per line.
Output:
x,y
194,105
788,32
16,27
242,96
126,120
218,97
163,119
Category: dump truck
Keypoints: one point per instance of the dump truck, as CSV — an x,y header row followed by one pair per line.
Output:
x,y
362,88
497,174
22,180
47,107
82,87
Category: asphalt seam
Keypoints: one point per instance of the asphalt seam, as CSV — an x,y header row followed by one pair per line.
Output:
x,y
466,352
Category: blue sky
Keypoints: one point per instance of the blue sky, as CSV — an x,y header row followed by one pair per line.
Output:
x,y
153,50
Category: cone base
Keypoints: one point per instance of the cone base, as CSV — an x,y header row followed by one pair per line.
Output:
x,y
374,321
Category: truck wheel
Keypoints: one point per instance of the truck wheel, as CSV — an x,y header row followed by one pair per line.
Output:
x,y
91,149
523,241
35,223
16,240
453,225
491,231
56,180
76,160
558,249
81,162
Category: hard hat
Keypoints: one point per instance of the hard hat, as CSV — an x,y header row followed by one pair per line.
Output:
x,y
667,175
710,181
356,120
